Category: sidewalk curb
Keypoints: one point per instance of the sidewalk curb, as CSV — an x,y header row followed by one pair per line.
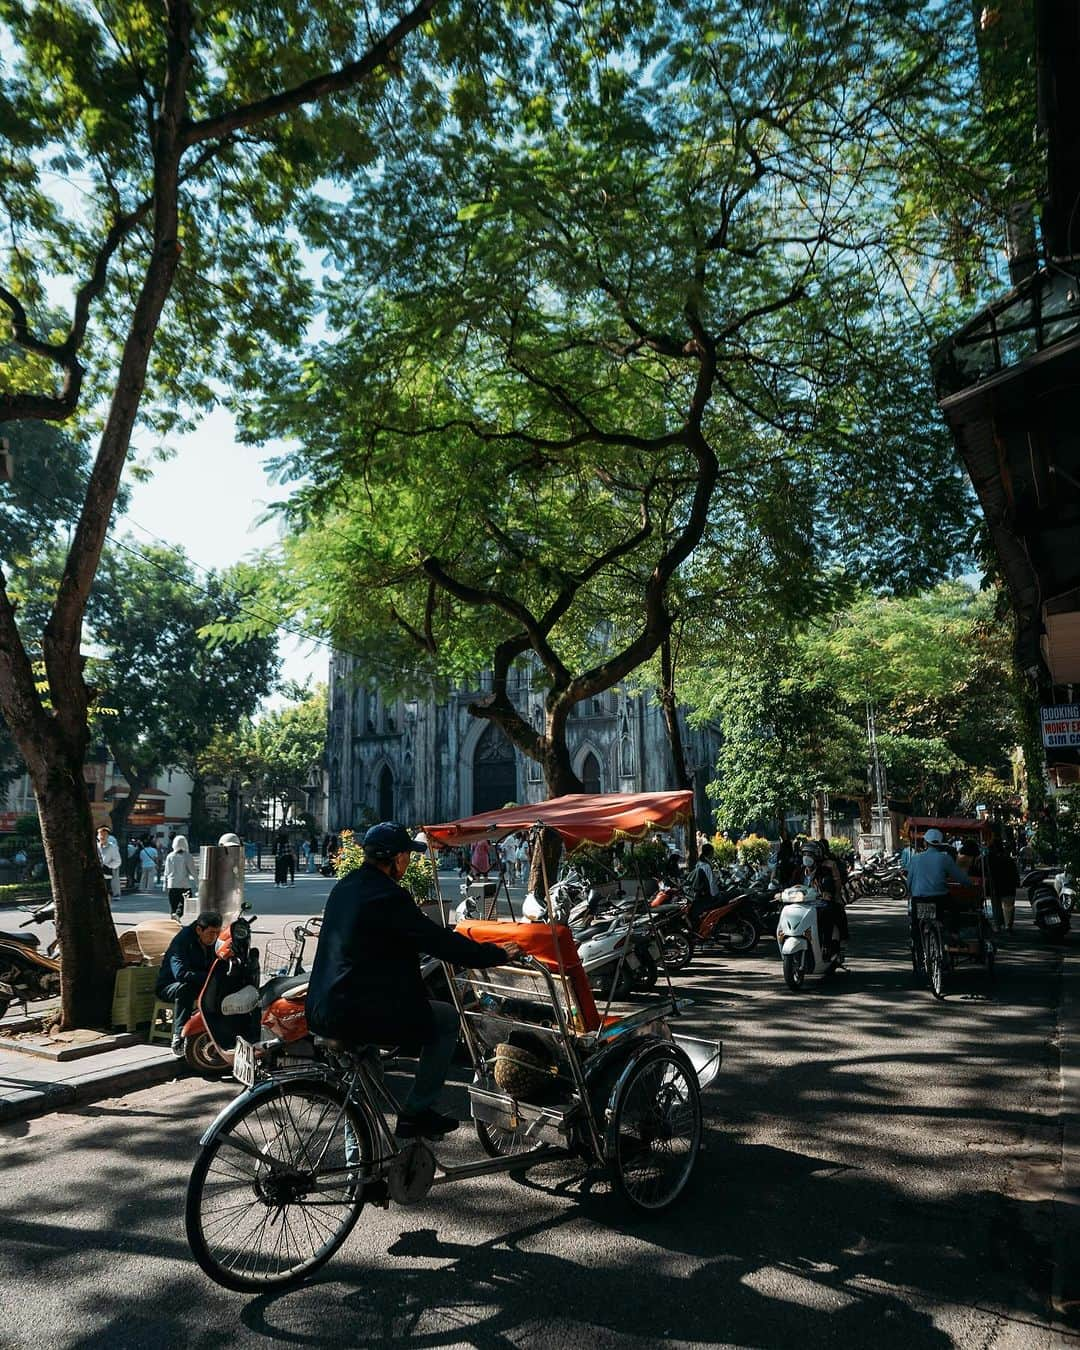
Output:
x,y
22,1103
1065,1290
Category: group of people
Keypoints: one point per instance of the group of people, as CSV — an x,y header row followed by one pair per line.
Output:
x,y
509,858
149,862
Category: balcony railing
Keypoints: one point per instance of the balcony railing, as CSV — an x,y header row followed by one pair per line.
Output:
x,y
1042,312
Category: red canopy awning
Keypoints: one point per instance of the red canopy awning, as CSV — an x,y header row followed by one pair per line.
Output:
x,y
947,824
581,818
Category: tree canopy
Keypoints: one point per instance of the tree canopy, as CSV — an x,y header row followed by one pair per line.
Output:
x,y
936,668
166,688
661,312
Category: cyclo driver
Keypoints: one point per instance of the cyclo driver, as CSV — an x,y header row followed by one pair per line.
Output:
x,y
929,874
366,987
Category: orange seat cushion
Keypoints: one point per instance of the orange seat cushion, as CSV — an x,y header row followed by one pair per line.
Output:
x,y
538,940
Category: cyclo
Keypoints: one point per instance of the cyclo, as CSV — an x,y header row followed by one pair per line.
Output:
x,y
287,1168
955,932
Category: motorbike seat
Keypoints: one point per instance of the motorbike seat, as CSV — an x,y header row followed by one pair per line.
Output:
x,y
23,939
279,986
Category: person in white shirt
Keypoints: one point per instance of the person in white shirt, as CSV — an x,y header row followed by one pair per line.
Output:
x,y
180,876
109,856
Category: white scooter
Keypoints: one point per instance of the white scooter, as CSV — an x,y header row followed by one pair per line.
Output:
x,y
800,938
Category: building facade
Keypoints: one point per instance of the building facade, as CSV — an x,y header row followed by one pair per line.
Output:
x,y
426,760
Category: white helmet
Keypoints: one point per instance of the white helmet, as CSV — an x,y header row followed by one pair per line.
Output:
x,y
229,840
933,836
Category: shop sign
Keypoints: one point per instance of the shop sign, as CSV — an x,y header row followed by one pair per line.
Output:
x,y
1061,726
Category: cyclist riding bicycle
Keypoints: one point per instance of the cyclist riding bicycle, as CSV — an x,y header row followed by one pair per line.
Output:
x,y
929,874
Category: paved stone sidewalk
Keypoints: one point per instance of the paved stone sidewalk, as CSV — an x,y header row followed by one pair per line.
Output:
x,y
30,1085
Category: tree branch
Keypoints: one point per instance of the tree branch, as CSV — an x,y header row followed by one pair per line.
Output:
x,y
332,82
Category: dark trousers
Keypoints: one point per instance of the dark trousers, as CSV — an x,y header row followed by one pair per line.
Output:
x,y
176,902
183,997
434,1059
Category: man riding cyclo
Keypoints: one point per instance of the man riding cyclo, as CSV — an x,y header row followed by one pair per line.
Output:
x,y
929,873
366,987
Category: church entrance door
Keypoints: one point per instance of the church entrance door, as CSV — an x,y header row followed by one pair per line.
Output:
x,y
494,771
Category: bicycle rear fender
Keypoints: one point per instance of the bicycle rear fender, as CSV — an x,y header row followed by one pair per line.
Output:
x,y
265,1089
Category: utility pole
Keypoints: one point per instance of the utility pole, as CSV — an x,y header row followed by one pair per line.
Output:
x,y
879,810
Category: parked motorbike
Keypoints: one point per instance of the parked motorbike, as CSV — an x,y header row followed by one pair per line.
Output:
x,y
804,949
26,973
726,924
1053,902
43,914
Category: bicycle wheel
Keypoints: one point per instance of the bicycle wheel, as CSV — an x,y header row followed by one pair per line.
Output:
x,y
676,950
655,1131
499,1142
273,1193
935,960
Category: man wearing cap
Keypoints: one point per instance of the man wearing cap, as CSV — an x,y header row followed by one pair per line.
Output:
x,y
929,874
366,986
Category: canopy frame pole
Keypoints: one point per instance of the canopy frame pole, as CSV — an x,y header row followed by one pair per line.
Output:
x,y
538,842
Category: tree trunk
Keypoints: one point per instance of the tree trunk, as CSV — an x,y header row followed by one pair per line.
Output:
x,y
665,693
865,813
819,814
89,950
551,847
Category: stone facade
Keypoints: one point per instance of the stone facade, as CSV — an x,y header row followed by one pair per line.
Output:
x,y
423,761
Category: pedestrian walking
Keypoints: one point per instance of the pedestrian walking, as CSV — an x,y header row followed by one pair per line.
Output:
x,y
181,876
133,864
147,866
480,859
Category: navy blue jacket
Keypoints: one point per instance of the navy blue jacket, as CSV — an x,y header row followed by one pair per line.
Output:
x,y
365,984
186,961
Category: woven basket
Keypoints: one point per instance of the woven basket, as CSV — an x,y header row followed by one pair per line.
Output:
x,y
523,1073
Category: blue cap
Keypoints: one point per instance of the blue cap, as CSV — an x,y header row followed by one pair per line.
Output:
x,y
388,838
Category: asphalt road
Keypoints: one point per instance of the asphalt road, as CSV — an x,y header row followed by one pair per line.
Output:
x,y
878,1173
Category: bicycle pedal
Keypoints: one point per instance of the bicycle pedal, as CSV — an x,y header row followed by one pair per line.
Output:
x,y
377,1193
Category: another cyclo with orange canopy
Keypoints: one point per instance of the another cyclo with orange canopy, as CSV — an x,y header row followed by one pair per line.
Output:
x,y
960,934
286,1169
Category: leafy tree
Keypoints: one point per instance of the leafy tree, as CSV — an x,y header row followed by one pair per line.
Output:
x,y
167,689
197,142
635,326
937,669
274,756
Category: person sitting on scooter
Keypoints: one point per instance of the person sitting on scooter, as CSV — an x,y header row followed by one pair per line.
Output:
x,y
822,877
184,969
701,883
366,987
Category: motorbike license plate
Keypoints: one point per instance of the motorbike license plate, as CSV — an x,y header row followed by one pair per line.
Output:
x,y
654,950
244,1063
1053,918
632,962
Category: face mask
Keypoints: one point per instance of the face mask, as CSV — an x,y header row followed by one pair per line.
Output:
x,y
808,862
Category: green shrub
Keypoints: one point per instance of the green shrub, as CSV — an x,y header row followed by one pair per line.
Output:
x,y
26,890
726,851
839,844
593,862
419,878
648,858
753,850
